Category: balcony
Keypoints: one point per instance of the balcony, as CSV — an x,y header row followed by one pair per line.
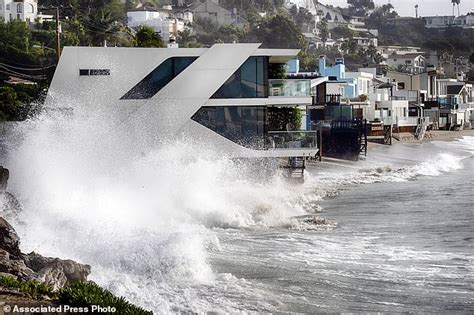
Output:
x,y
293,139
289,88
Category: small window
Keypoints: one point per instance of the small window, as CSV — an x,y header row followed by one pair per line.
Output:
x,y
99,72
19,8
1,6
8,6
31,8
401,85
94,71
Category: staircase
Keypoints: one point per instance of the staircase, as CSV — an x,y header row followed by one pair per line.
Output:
x,y
296,167
421,128
387,134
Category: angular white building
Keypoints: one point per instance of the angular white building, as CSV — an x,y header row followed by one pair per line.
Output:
x,y
219,97
25,10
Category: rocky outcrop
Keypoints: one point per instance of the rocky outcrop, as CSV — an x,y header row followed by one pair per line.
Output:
x,y
54,272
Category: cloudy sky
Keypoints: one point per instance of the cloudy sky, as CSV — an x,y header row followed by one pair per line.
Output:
x,y
425,7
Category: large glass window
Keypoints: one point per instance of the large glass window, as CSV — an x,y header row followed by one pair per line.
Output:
x,y
159,78
249,81
245,125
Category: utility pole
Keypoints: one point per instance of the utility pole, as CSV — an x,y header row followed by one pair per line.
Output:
x,y
58,36
416,11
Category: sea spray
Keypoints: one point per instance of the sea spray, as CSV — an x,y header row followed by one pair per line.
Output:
x,y
146,220
143,220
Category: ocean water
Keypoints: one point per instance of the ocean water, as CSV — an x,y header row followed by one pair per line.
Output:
x,y
175,232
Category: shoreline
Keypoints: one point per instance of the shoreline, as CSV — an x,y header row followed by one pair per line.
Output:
x,y
433,135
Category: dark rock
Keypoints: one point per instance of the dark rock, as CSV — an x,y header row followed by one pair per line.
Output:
x,y
54,272
16,267
4,175
9,240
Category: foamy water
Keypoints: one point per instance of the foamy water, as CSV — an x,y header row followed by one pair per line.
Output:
x,y
174,231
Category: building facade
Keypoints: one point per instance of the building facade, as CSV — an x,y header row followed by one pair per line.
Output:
x,y
163,21
221,98
215,13
413,63
25,10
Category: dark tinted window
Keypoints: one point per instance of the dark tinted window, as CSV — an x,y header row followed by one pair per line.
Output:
x,y
159,77
99,72
94,71
245,125
249,81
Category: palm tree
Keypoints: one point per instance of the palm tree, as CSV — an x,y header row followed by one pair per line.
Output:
x,y
456,2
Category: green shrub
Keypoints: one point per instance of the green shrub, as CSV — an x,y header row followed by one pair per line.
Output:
x,y
86,294
34,288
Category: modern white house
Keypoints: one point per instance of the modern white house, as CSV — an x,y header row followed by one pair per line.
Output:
x,y
25,10
220,97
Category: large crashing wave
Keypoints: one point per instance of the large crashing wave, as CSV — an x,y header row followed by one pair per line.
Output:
x,y
145,220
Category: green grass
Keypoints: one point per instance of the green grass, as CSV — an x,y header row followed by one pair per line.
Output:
x,y
77,294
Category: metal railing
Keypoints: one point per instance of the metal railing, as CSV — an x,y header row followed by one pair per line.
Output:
x,y
289,87
293,139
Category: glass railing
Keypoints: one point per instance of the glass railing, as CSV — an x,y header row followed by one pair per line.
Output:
x,y
289,87
292,139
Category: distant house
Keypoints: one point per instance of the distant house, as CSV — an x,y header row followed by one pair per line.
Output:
x,y
25,10
366,41
386,51
463,21
213,12
412,63
161,20
333,16
404,21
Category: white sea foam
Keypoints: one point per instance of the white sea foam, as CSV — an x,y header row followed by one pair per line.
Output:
x,y
145,220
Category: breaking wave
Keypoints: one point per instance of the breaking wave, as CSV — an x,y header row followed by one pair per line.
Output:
x,y
146,221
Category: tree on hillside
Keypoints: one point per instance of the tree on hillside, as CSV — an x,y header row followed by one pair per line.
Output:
x,y
342,32
9,103
187,39
360,7
302,18
378,18
277,32
147,37
15,34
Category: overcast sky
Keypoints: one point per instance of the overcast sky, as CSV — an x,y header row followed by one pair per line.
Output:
x,y
425,7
